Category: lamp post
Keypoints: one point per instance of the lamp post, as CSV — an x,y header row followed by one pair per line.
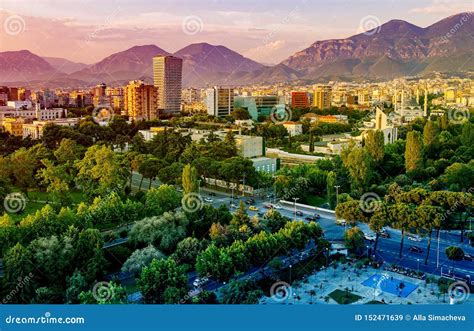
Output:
x,y
327,263
337,193
290,273
367,251
418,266
295,199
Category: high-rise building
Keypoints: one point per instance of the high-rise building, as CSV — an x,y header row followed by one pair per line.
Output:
x,y
99,96
167,76
141,100
220,101
322,97
299,99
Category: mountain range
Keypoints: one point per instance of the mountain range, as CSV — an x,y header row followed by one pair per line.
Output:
x,y
394,49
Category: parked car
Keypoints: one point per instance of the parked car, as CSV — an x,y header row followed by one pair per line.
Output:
x,y
299,213
416,249
253,208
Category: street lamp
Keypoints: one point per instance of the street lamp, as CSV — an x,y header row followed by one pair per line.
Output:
x,y
337,193
418,266
327,263
290,273
296,199
367,251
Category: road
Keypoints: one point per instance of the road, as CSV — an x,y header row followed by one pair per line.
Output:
x,y
387,249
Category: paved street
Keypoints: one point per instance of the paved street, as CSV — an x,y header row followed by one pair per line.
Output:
x,y
388,248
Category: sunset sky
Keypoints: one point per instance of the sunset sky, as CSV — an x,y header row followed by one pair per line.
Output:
x,y
266,31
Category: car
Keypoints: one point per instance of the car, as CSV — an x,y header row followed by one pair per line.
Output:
x,y
267,206
468,257
341,221
252,200
317,216
414,237
277,206
209,200
416,249
369,236
247,202
299,213
384,234
310,218
253,208
233,205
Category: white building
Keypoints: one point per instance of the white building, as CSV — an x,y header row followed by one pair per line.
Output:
x,y
293,128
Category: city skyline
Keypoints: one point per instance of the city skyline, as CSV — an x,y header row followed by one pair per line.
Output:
x,y
266,33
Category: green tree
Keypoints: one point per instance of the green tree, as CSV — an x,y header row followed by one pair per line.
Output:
x,y
359,165
354,239
190,179
110,293
429,218
100,171
159,276
19,267
241,292
413,151
374,144
141,258
331,181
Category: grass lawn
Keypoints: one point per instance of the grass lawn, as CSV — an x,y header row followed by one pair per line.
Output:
x,y
37,199
343,297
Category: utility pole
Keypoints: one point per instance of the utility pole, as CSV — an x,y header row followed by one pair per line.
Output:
x,y
296,199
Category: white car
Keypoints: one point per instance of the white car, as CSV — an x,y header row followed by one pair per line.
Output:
x,y
209,200
277,206
370,236
341,221
414,237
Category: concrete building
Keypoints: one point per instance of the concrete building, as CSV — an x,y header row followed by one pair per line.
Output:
x,y
299,99
260,105
35,129
293,128
167,77
141,101
33,113
220,101
322,97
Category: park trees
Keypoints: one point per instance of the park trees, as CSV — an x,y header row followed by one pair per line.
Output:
x,y
100,171
374,144
359,165
190,179
413,151
162,199
141,258
241,292
331,182
354,239
402,215
160,279
429,218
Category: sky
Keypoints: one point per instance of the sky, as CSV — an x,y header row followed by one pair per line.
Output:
x,y
267,31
